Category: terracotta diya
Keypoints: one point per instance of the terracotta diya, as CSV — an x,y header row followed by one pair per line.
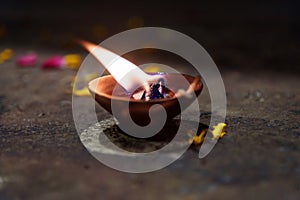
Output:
x,y
103,88
169,89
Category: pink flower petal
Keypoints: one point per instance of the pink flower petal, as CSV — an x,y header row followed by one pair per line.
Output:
x,y
54,62
26,60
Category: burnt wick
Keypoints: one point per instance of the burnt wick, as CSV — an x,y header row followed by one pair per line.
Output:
x,y
154,91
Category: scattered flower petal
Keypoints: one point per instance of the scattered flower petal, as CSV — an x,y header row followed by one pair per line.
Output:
x,y
84,79
90,77
72,61
55,62
27,60
219,131
198,139
5,55
81,92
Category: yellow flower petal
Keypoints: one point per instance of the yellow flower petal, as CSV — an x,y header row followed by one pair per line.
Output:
x,y
72,61
90,77
198,139
81,92
219,131
84,91
6,54
222,134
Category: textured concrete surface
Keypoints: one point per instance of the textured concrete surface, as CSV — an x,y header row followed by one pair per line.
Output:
x,y
43,158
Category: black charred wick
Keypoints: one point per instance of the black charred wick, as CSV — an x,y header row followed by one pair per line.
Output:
x,y
157,91
154,93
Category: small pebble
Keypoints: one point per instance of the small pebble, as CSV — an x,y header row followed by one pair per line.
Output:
x,y
258,94
41,114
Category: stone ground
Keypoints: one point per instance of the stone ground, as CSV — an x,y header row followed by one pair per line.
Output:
x,y
43,158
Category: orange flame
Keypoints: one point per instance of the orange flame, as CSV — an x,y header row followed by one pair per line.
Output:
x,y
127,74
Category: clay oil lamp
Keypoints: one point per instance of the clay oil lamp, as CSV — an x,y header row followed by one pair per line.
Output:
x,y
128,87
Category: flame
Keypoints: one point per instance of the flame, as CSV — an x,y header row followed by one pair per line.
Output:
x,y
127,74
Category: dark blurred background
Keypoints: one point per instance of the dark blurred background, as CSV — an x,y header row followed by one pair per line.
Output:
x,y
237,34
